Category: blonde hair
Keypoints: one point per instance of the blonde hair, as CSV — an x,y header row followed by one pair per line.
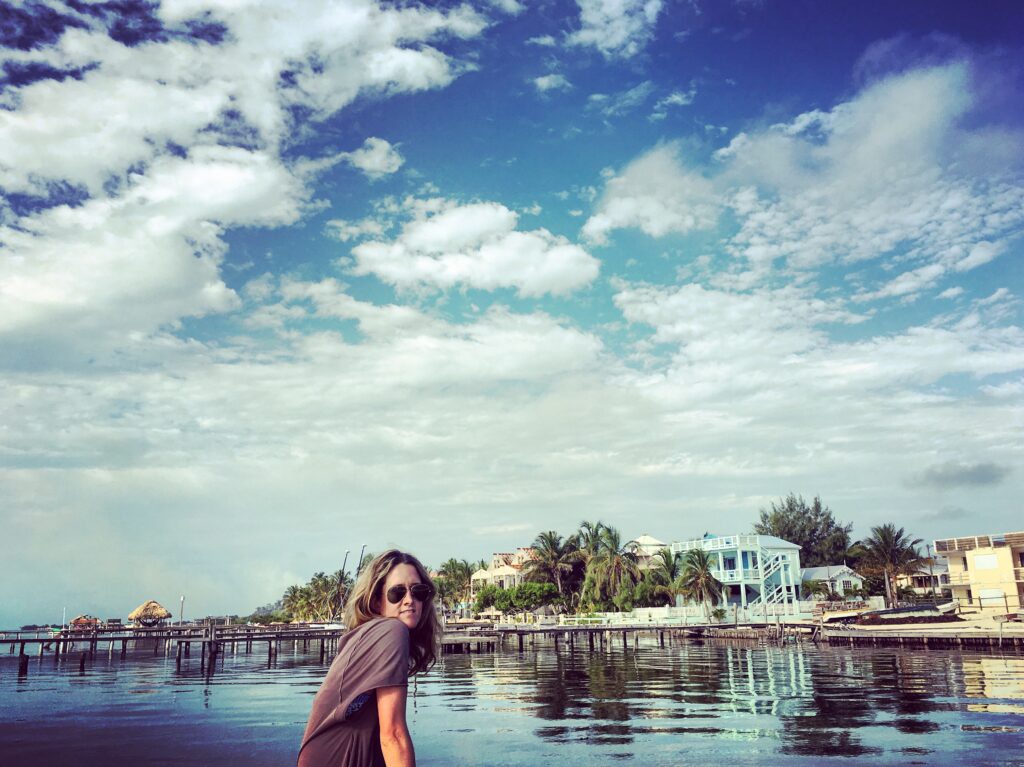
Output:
x,y
364,604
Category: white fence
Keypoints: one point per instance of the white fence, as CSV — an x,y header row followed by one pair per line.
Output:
x,y
695,614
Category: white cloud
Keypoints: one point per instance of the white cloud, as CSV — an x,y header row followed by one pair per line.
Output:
x,y
657,195
552,82
544,41
882,177
172,141
352,230
617,28
476,245
674,99
951,292
621,103
376,158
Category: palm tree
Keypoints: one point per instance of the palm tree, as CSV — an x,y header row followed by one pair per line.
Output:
x,y
613,566
815,588
890,552
459,574
697,580
588,539
552,559
666,566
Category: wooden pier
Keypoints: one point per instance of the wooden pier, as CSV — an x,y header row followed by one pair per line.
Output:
x,y
937,639
212,643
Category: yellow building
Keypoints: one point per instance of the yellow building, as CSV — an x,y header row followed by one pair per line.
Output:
x,y
986,570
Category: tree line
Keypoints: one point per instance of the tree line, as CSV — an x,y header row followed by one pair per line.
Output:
x,y
593,569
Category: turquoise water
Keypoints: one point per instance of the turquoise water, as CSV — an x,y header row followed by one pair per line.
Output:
x,y
696,704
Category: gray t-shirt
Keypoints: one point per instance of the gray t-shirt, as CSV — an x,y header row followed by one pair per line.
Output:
x,y
343,730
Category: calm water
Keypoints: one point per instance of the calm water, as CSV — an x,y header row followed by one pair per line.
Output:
x,y
696,704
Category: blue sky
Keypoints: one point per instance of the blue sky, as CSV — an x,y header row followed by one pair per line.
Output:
x,y
279,279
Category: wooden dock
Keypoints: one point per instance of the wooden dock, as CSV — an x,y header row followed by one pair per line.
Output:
x,y
944,639
214,642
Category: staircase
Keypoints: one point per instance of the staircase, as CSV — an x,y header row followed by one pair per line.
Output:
x,y
774,593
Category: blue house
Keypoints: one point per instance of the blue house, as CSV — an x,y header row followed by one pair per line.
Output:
x,y
755,569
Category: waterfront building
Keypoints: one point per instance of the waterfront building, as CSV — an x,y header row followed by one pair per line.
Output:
x,y
840,578
505,571
755,569
930,579
646,548
986,570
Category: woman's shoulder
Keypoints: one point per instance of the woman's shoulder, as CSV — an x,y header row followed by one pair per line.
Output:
x,y
378,629
384,627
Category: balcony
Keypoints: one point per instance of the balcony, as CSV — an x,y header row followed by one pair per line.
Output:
x,y
959,579
749,575
1018,574
722,543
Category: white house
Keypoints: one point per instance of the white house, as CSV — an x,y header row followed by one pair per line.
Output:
x,y
505,572
646,547
840,578
755,569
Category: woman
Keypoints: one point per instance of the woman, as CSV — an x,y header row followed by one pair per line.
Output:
x,y
358,717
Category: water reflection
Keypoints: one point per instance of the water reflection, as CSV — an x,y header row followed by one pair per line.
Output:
x,y
695,703
799,701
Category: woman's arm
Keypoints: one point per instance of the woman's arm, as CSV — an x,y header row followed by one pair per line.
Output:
x,y
395,742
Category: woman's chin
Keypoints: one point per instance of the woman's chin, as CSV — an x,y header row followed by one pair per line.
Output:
x,y
410,621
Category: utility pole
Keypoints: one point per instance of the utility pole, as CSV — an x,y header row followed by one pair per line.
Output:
x,y
181,611
341,583
359,567
931,575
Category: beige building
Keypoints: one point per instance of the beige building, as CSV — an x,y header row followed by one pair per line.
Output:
x,y
986,570
505,572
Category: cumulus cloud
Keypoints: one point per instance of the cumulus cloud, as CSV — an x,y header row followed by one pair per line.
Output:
x,y
477,245
882,177
657,195
376,158
166,142
617,28
552,82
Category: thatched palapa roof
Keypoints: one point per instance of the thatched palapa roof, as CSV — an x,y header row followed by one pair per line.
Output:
x,y
149,613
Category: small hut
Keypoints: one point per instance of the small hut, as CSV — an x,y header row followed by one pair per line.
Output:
x,y
149,614
84,623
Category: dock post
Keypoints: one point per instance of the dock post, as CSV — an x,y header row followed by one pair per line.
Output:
x,y
590,639
520,641
81,664
124,647
22,665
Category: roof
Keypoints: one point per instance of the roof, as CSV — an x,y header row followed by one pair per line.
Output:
x,y
648,540
151,610
771,542
824,573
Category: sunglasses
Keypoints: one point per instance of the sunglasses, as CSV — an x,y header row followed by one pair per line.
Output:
x,y
421,592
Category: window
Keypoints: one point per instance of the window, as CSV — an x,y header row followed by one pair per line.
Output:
x,y
847,585
985,562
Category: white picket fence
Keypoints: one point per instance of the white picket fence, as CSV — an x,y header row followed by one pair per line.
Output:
x,y
695,614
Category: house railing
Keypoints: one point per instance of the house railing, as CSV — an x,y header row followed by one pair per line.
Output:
x,y
718,544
